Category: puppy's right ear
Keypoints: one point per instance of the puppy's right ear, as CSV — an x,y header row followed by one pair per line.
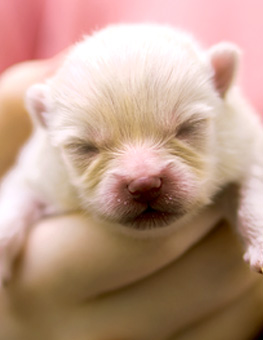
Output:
x,y
36,103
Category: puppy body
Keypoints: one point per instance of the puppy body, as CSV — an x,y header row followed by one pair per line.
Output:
x,y
143,129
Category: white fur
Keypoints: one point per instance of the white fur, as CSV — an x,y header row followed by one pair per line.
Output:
x,y
116,110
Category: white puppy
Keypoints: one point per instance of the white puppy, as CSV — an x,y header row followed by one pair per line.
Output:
x,y
141,128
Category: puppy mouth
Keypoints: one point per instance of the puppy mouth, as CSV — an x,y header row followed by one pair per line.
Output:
x,y
151,218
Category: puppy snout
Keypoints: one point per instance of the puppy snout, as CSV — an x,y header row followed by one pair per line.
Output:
x,y
145,189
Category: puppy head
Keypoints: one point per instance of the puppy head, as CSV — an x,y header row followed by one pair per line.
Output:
x,y
133,110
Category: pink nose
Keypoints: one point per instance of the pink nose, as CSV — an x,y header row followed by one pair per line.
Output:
x,y
145,189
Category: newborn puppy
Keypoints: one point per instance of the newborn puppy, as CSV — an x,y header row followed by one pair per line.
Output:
x,y
141,128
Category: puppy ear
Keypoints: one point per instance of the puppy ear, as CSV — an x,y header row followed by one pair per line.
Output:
x,y
36,99
224,58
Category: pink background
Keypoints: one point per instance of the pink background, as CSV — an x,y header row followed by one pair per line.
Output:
x,y
40,28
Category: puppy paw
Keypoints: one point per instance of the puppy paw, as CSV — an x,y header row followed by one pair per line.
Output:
x,y
254,257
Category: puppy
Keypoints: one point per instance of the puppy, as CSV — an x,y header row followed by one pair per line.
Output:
x,y
141,128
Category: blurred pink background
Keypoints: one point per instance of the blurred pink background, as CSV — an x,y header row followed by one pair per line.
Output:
x,y
32,29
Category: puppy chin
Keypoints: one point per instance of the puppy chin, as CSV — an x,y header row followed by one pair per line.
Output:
x,y
148,224
151,219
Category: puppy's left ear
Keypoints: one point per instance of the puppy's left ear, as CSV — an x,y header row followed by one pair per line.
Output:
x,y
36,103
224,59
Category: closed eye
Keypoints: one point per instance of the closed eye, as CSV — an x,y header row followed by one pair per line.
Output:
x,y
191,129
87,148
184,131
82,148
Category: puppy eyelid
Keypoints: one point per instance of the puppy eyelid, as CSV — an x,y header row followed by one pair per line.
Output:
x,y
88,148
82,148
190,128
185,130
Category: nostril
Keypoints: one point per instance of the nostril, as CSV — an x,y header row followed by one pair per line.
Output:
x,y
145,188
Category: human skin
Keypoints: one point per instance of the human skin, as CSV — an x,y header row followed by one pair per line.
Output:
x,y
77,280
